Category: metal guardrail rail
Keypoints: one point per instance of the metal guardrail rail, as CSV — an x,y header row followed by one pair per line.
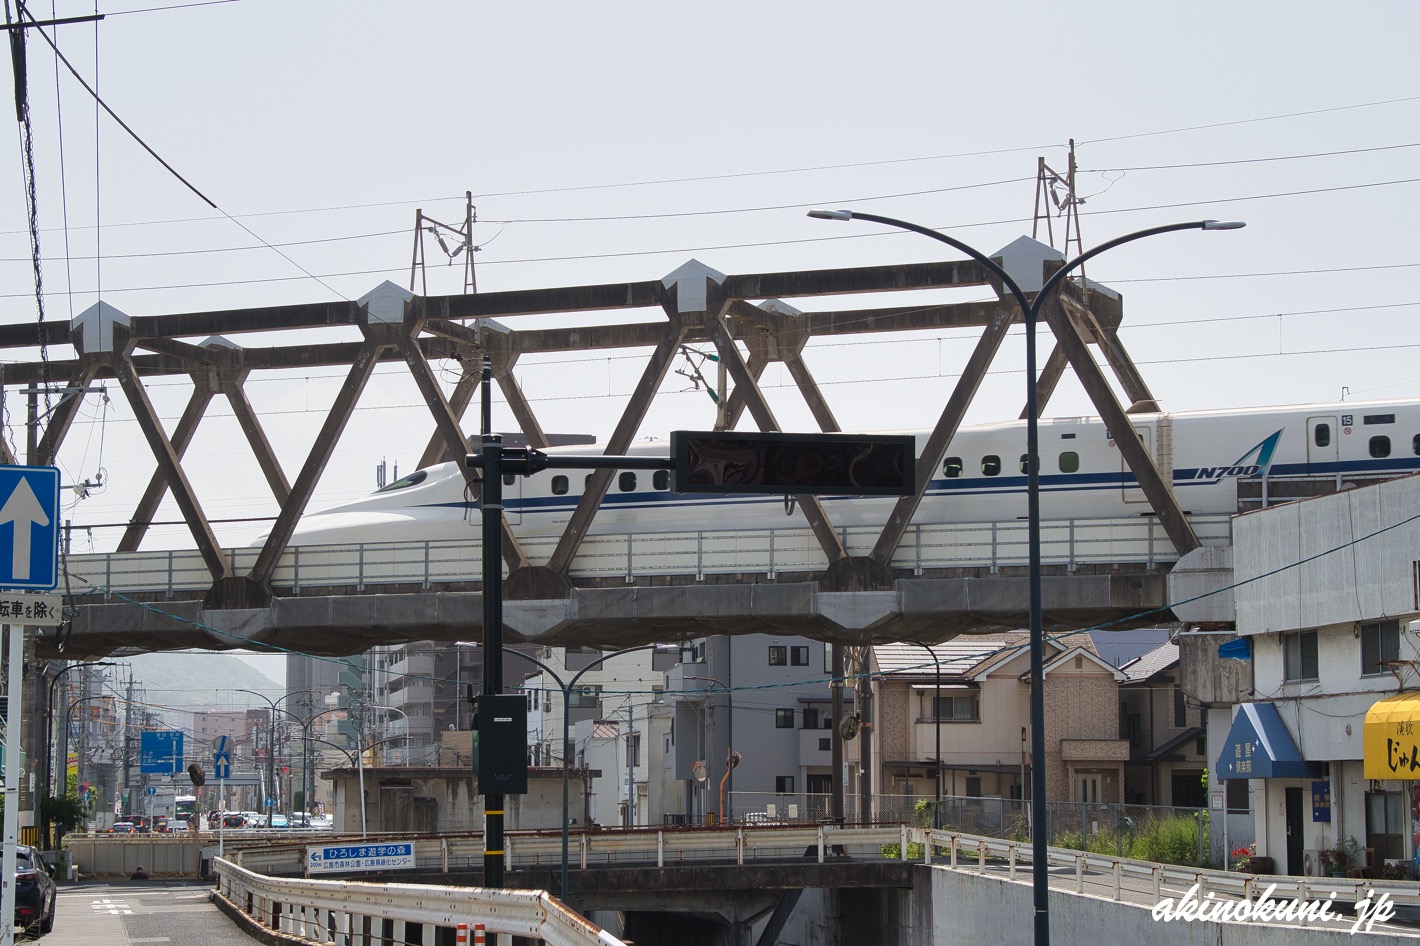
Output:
x,y
989,545
345,912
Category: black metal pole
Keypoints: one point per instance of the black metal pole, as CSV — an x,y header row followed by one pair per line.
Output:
x,y
491,505
1030,311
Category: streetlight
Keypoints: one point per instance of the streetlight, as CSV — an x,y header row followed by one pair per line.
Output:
x,y
271,740
1030,311
49,747
566,689
729,743
937,728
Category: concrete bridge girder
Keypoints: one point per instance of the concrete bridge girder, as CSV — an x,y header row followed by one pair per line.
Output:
x,y
927,609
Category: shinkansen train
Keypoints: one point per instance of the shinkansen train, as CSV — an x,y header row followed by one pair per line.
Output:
x,y
1204,454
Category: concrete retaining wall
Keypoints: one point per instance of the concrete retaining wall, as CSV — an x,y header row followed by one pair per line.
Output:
x,y
962,909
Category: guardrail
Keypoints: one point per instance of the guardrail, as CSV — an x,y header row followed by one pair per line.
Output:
x,y
1112,876
989,545
666,847
360,914
351,913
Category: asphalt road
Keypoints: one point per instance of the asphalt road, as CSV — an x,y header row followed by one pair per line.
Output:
x,y
140,913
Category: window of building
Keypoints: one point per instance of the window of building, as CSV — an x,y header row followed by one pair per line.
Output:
x,y
1180,708
1299,661
810,717
990,465
958,709
1380,447
1380,643
784,719
661,479
635,749
1069,462
825,745
784,784
951,467
559,485
778,655
1322,435
799,656
626,481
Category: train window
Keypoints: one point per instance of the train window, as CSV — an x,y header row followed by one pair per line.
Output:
x,y
509,479
1378,419
1069,462
586,481
626,482
1380,447
413,479
1025,463
951,467
1322,435
990,465
661,479
1415,445
559,485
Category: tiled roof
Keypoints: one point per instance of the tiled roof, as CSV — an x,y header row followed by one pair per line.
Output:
x,y
958,656
1156,660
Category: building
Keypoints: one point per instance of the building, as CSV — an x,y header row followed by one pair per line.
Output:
x,y
1164,729
1324,734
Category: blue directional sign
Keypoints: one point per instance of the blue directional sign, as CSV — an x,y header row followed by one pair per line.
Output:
x,y
325,859
160,753
29,526
221,765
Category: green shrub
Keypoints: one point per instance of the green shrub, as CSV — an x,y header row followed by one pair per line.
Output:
x,y
1167,841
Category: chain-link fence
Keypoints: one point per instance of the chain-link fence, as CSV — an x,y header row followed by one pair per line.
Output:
x,y
1186,836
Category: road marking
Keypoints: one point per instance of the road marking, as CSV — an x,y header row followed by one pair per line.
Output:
x,y
153,939
111,907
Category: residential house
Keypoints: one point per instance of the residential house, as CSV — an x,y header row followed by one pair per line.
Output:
x,y
1164,729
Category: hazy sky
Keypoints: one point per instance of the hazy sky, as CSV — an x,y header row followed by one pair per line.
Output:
x,y
613,142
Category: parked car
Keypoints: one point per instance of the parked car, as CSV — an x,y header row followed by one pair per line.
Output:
x,y
35,891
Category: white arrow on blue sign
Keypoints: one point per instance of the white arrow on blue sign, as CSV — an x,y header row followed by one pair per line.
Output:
x,y
29,526
221,765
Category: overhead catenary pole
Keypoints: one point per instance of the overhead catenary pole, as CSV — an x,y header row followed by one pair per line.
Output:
x,y
491,505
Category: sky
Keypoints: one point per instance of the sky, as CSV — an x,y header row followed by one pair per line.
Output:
x,y
610,143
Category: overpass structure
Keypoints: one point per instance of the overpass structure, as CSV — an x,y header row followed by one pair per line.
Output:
x,y
817,578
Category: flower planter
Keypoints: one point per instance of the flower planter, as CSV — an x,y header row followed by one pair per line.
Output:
x,y
1260,865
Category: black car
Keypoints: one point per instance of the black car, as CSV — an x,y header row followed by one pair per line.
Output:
x,y
35,891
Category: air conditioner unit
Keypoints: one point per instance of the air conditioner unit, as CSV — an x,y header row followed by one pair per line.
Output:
x,y
1311,863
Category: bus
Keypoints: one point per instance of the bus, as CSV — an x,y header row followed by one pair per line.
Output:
x,y
185,809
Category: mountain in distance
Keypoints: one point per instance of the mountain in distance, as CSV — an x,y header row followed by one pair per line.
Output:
x,y
189,681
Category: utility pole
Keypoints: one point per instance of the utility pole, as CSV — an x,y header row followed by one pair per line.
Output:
x,y
631,765
127,740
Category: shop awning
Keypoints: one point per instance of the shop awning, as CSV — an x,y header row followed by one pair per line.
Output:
x,y
1259,746
1391,740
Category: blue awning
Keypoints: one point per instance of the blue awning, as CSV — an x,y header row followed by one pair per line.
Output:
x,y
1259,746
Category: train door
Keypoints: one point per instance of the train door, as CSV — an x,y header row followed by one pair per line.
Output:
x,y
1323,444
1132,492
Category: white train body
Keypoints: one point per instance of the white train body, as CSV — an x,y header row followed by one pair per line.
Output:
x,y
1204,454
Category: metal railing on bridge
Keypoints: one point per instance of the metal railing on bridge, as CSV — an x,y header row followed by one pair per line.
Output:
x,y
345,913
985,545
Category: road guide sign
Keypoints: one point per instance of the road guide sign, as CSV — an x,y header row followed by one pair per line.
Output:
x,y
29,526
160,752
329,859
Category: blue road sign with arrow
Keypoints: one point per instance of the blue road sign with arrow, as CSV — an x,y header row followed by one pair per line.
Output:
x,y
160,752
29,526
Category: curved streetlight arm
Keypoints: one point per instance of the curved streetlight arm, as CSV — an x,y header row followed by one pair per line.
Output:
x,y
1060,274
966,248
566,716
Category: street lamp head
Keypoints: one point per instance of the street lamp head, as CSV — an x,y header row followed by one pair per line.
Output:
x,y
1223,224
832,214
